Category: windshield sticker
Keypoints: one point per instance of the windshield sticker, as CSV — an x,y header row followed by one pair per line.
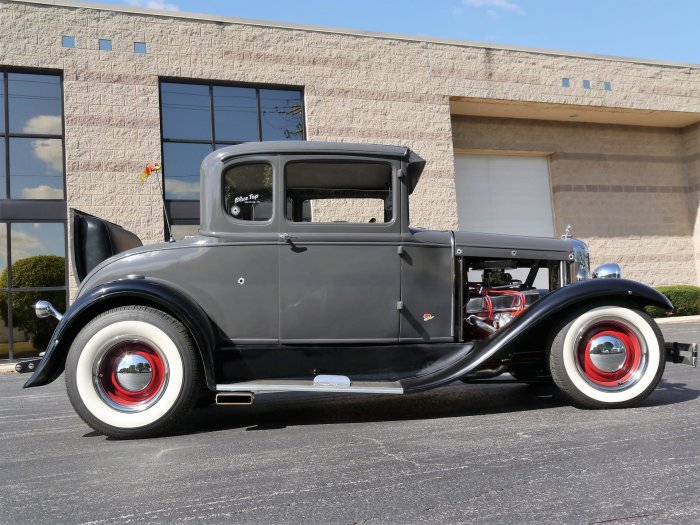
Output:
x,y
252,198
235,211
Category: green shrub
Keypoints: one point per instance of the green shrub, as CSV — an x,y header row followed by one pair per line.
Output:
x,y
33,272
685,299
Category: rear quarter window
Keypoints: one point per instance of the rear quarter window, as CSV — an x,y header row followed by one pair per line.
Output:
x,y
248,192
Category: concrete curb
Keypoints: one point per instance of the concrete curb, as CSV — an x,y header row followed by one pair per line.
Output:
x,y
679,320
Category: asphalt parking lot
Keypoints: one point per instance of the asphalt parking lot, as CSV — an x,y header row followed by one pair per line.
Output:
x,y
462,454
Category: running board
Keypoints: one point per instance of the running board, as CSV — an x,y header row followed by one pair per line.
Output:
x,y
321,383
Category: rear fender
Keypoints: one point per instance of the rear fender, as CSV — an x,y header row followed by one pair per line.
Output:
x,y
553,305
120,293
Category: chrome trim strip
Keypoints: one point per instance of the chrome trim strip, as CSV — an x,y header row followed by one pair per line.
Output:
x,y
308,386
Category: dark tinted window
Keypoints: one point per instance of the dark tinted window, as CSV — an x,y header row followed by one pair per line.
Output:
x,y
281,115
190,130
3,183
248,192
38,254
2,105
3,251
181,163
186,111
36,168
32,242
34,104
236,114
31,335
4,328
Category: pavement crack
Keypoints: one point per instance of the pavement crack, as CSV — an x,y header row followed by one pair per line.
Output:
x,y
383,450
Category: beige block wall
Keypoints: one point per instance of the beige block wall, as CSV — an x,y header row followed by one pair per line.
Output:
x,y
357,87
622,188
691,143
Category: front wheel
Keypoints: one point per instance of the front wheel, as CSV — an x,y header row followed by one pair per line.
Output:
x,y
132,372
608,357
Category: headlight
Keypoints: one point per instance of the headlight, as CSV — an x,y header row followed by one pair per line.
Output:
x,y
582,264
607,271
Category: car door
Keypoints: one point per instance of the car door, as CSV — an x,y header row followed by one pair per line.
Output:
x,y
339,263
241,277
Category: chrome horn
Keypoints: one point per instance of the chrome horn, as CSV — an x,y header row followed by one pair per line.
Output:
x,y
45,309
608,271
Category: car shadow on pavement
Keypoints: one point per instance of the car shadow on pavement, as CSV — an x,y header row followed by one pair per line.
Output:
x,y
669,393
275,411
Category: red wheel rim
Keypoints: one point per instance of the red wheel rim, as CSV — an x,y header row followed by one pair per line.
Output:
x,y
626,340
114,381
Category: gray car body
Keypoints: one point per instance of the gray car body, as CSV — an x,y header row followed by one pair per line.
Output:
x,y
283,299
337,283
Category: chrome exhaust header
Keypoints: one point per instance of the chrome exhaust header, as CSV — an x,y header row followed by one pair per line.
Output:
x,y
475,321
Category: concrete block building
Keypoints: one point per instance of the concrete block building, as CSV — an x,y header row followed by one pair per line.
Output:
x,y
517,140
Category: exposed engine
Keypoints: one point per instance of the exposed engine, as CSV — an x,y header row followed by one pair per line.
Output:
x,y
496,300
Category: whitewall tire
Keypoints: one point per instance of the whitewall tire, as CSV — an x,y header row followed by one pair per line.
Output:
x,y
132,372
608,357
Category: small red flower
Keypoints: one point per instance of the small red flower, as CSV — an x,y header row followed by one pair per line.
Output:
x,y
150,168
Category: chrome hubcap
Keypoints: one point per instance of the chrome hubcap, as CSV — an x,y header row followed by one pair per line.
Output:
x,y
130,375
608,353
611,353
134,372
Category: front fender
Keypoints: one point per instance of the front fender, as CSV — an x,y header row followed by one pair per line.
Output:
x,y
617,291
119,293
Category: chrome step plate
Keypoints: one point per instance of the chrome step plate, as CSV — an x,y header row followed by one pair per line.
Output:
x,y
322,385
328,380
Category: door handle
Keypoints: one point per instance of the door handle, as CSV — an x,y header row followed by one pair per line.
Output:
x,y
287,238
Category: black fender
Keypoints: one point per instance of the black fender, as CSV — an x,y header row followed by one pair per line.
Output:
x,y
593,292
123,292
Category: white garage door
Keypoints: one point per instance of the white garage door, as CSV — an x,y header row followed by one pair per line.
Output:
x,y
504,195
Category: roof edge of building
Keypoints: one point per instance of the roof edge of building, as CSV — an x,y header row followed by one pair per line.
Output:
x,y
351,32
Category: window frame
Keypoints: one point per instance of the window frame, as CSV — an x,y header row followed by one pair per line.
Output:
x,y
27,211
186,211
376,227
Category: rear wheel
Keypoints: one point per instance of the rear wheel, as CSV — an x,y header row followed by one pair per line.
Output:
x,y
608,357
132,372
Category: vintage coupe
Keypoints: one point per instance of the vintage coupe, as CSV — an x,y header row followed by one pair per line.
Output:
x,y
305,276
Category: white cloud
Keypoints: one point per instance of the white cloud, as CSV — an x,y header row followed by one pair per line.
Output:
x,y
153,4
42,192
23,244
43,125
182,189
492,5
48,151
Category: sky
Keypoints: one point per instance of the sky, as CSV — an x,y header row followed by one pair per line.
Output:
x,y
645,29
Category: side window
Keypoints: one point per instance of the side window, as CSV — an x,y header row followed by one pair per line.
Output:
x,y
339,192
248,192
